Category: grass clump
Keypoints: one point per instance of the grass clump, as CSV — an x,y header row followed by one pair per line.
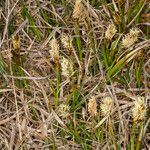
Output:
x,y
74,74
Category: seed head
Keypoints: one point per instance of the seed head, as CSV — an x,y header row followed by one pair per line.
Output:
x,y
66,41
77,12
117,18
64,110
54,50
130,38
106,106
139,109
67,67
16,43
92,107
110,32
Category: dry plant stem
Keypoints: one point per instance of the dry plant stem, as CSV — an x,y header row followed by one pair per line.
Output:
x,y
90,33
30,117
28,78
7,22
4,121
115,7
118,108
101,122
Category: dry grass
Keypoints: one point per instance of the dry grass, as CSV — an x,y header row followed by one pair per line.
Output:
x,y
44,107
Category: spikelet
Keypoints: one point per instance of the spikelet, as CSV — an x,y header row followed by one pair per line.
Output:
x,y
92,107
139,109
63,110
130,38
106,106
110,32
16,43
78,7
54,50
66,41
117,18
67,67
15,53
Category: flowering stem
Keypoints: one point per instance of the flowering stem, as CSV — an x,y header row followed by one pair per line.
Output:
x,y
112,133
138,72
139,137
138,144
90,34
133,136
58,79
78,40
105,57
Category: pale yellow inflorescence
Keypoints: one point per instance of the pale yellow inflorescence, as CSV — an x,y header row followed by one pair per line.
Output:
x,y
110,32
106,106
67,67
92,107
130,38
64,110
78,7
66,41
54,50
139,109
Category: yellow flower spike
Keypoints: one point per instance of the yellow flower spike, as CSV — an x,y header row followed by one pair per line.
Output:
x,y
66,41
77,9
64,110
110,32
16,43
130,38
139,109
54,51
67,67
92,107
106,106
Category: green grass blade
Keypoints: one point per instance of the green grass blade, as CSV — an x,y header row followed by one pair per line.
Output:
x,y
34,28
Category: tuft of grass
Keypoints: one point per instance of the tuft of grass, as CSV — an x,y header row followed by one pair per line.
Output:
x,y
107,45
26,14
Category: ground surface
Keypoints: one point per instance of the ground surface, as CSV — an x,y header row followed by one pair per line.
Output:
x,y
74,75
